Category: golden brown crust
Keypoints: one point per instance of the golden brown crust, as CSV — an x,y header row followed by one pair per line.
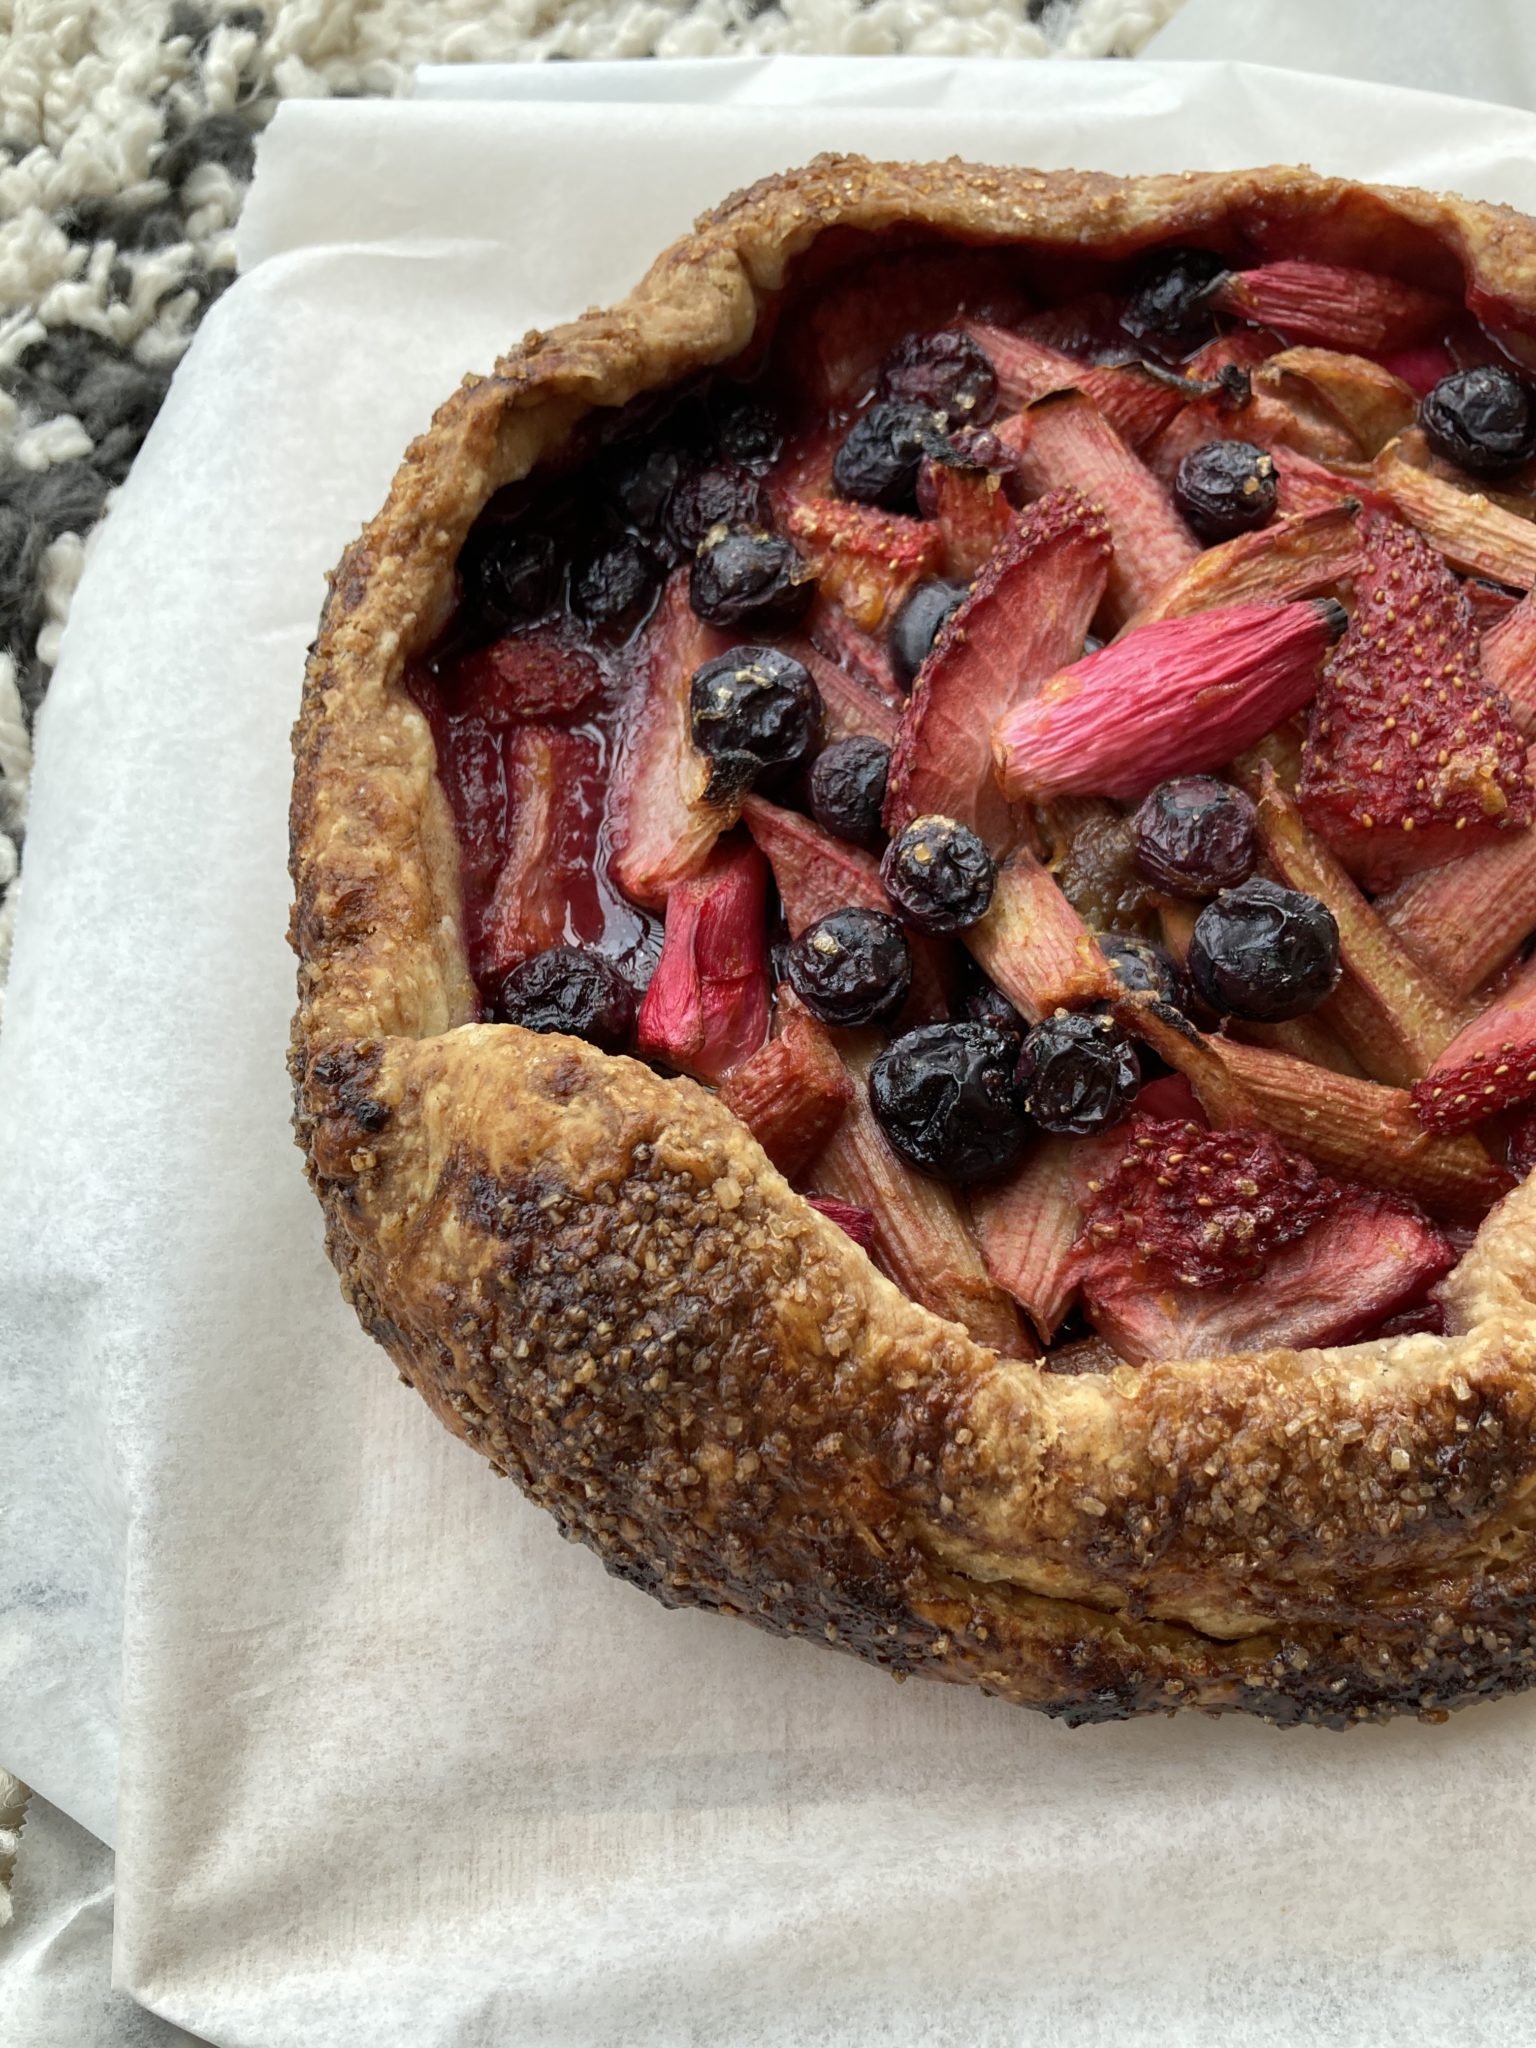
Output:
x,y
597,1278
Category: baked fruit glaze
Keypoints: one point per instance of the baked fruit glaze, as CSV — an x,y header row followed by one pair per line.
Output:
x,y
1047,741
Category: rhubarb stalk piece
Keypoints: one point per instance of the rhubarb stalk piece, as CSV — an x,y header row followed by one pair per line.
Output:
x,y
1166,699
1307,485
1410,758
1034,946
1357,1129
1475,535
857,653
1064,441
1025,617
1136,399
971,510
1465,921
1303,556
544,860
850,709
1370,404
1509,663
854,1222
921,1238
1387,1011
1028,1228
706,1010
661,827
791,1093
1490,1066
1334,305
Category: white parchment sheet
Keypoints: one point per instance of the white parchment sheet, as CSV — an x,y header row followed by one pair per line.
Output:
x,y
384,1761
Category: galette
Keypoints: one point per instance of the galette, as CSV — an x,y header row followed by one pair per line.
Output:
x,y
914,878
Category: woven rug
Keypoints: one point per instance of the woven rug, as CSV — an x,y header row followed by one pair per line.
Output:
x,y
127,138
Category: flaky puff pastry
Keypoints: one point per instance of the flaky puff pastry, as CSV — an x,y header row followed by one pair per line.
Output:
x,y
595,1277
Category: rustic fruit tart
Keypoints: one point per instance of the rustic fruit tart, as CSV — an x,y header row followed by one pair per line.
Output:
x,y
973,735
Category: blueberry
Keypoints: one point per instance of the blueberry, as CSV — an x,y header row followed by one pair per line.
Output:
x,y
944,1097
1225,488
1143,967
509,573
614,586
1482,419
848,790
750,709
644,482
711,495
916,626
945,373
938,874
1168,302
1264,953
851,967
882,452
748,432
1194,836
570,989
986,1004
1077,1074
753,580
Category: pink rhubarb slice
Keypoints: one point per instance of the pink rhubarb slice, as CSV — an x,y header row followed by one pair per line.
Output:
x,y
1334,305
1509,663
706,1010
1464,921
791,1093
1034,945
1303,556
1165,699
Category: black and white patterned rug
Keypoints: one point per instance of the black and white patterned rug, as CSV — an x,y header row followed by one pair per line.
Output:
x,y
127,136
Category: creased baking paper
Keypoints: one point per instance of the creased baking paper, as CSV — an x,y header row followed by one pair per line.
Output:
x,y
384,1760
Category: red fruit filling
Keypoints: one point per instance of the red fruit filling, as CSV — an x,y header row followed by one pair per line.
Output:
x,y
1410,758
561,704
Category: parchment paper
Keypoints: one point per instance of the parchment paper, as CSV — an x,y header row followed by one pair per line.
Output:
x,y
394,1765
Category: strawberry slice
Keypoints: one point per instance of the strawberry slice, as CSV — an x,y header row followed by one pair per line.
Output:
x,y
817,874
791,1093
849,708
1034,946
1490,1066
1335,305
1165,699
1137,399
921,1238
1064,440
1410,759
1473,533
1303,556
660,827
1509,663
530,675
864,559
1372,1258
857,1223
549,843
1026,615
972,513
1466,920
706,1010
1181,1206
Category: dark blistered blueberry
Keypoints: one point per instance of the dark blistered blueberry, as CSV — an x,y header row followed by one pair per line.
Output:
x,y
1194,835
848,790
938,874
1077,1074
753,708
614,586
748,432
851,967
1264,953
986,1004
509,573
916,626
1143,967
1168,303
1225,488
643,482
945,1099
572,989
945,373
755,580
1484,419
882,453
711,495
